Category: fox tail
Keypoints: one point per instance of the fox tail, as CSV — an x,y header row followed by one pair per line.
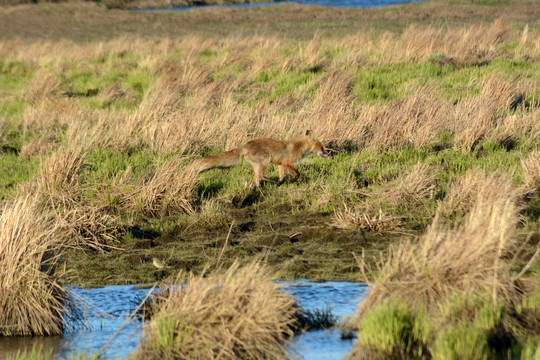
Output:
x,y
222,160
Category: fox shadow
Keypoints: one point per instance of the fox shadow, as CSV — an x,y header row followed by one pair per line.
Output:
x,y
252,197
209,190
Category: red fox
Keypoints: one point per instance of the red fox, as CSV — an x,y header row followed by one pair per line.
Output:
x,y
261,152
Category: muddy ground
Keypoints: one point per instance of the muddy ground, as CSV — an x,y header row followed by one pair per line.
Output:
x,y
298,244
86,21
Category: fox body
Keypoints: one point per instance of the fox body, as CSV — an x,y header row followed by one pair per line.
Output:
x,y
261,152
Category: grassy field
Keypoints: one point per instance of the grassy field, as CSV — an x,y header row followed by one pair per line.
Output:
x,y
426,107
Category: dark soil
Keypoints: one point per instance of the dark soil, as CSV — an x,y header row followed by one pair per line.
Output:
x,y
300,245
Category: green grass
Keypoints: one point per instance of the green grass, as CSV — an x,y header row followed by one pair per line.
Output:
x,y
395,328
14,172
389,82
38,354
466,326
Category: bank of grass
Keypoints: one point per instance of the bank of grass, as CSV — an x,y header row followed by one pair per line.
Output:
x,y
453,294
234,313
32,300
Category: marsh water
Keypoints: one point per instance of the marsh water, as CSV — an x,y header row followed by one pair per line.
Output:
x,y
331,3
109,307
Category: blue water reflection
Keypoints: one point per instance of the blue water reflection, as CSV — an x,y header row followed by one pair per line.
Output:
x,y
330,3
111,305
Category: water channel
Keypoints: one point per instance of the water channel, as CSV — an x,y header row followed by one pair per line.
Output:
x,y
110,306
331,3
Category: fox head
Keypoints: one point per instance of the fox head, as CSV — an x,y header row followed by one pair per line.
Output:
x,y
315,145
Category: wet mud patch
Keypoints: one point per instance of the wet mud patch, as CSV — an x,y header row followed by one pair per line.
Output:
x,y
300,245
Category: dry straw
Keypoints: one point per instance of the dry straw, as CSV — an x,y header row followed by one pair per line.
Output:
x,y
169,190
32,302
411,188
476,186
59,190
237,313
467,258
379,222
531,172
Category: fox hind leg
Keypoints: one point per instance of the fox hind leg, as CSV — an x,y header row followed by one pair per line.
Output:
x,y
256,171
281,170
263,168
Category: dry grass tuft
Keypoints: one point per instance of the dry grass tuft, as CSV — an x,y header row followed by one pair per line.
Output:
x,y
165,192
239,313
415,120
44,87
468,259
58,189
531,172
89,228
379,222
59,175
411,189
476,186
32,302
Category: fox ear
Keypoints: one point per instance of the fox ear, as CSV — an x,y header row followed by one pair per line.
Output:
x,y
309,133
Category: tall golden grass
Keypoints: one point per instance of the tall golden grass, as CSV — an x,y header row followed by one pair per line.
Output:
x,y
475,186
237,313
531,172
32,301
168,191
58,189
466,258
189,109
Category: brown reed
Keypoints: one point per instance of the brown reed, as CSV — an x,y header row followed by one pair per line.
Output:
x,y
234,313
32,301
531,172
467,258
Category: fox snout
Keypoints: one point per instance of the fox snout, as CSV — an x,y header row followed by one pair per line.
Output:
x,y
323,153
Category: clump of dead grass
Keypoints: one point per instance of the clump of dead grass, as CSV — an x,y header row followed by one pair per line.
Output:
x,y
531,172
238,313
468,257
415,120
378,222
32,302
44,87
467,261
476,186
466,46
168,190
411,189
89,228
59,176
58,189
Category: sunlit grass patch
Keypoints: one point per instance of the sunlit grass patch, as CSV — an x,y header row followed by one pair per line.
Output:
x,y
234,313
32,301
377,222
531,172
451,273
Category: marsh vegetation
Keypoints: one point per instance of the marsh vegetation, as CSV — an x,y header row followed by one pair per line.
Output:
x,y
434,129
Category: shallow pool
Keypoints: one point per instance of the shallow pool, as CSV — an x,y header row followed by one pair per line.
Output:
x,y
331,3
111,305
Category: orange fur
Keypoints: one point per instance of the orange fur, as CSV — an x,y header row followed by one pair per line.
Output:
x,y
260,153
